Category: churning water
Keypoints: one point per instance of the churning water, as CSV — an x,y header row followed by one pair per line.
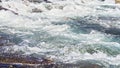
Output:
x,y
66,30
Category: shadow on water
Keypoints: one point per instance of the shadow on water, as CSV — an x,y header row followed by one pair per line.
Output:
x,y
86,24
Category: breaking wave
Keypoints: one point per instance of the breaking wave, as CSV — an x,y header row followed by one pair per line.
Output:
x,y
67,31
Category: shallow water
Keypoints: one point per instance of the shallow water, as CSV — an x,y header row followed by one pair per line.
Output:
x,y
67,31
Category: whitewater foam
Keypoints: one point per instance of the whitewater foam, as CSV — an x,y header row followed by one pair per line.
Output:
x,y
68,31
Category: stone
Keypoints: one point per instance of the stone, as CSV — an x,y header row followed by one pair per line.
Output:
x,y
36,10
2,8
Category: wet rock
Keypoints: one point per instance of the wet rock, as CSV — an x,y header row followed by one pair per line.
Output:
x,y
3,8
101,0
39,1
49,66
36,10
16,58
47,61
24,59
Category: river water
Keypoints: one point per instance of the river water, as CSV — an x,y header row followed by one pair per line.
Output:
x,y
67,31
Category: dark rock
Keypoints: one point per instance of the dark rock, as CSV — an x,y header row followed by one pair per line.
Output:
x,y
39,1
16,58
36,10
24,59
2,8
101,0
7,65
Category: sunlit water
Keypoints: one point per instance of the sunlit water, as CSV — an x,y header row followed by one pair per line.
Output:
x,y
67,31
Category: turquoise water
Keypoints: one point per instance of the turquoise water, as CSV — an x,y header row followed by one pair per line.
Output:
x,y
76,32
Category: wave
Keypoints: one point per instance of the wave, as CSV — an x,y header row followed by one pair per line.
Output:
x,y
68,31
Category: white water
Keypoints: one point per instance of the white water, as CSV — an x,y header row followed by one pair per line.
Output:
x,y
67,30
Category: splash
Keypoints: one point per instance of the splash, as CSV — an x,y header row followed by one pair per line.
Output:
x,y
67,31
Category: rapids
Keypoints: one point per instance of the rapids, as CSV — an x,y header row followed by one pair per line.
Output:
x,y
68,31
